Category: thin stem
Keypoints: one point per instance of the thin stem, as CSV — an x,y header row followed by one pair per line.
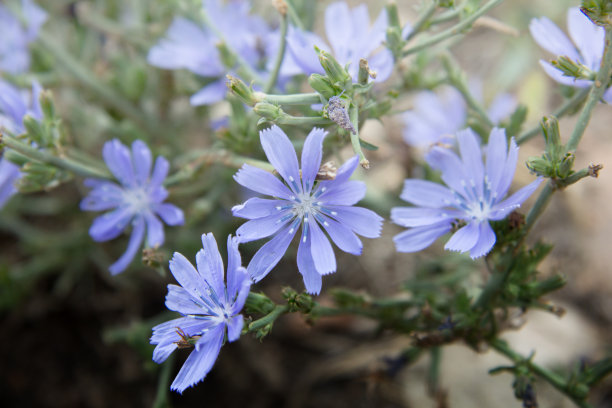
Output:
x,y
161,397
452,31
552,378
84,76
448,15
302,120
423,18
280,55
293,99
269,318
354,116
45,157
562,110
293,14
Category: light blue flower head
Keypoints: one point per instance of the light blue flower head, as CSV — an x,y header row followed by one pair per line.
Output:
x,y
475,193
210,309
302,200
138,199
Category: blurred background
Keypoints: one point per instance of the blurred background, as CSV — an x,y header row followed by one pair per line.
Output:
x,y
72,335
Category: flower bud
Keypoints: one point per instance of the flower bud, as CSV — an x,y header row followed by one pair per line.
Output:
x,y
47,105
35,130
335,72
240,89
321,84
573,68
269,111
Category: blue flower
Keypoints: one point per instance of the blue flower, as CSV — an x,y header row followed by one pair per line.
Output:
x,y
302,200
475,195
436,117
15,104
351,39
187,45
14,53
139,199
208,308
587,48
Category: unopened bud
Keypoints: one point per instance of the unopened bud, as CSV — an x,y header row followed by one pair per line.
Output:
x,y
336,72
240,89
269,111
35,130
321,84
47,105
573,68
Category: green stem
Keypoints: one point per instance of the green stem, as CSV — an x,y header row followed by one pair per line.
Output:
x,y
423,18
455,77
452,31
354,116
562,110
597,90
161,397
448,15
280,55
552,378
45,157
293,99
302,120
294,16
269,318
433,376
102,90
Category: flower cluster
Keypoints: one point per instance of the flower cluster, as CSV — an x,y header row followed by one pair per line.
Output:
x,y
14,53
138,199
587,47
303,201
351,38
209,306
475,195
188,45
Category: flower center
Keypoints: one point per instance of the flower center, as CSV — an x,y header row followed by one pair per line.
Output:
x,y
137,199
305,204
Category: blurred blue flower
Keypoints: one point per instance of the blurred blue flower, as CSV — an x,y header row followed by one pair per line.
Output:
x,y
436,117
302,200
15,104
475,195
587,47
14,53
139,199
351,38
188,45
208,308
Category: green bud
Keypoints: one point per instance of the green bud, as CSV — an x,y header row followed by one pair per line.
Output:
x,y
35,130
269,111
47,104
392,15
539,166
566,165
395,42
15,157
550,128
240,89
516,120
598,11
573,68
259,303
227,57
40,177
548,285
336,73
321,84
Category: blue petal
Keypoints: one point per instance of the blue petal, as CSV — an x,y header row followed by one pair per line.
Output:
x,y
418,217
142,160
9,174
471,156
424,193
301,46
257,208
110,225
261,181
211,93
338,29
171,214
234,327
200,361
281,154
588,37
160,172
496,157
500,210
270,254
210,264
179,300
347,193
155,230
486,240
188,277
263,227
104,196
361,220
119,161
312,278
342,236
509,167
464,239
321,249
551,38
242,285
133,247
311,157
416,239
235,271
